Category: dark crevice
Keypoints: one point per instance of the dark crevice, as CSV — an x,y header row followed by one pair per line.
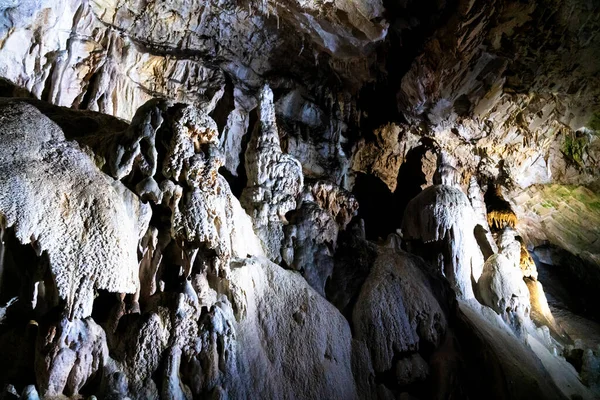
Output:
x,y
85,102
224,106
377,206
238,183
48,85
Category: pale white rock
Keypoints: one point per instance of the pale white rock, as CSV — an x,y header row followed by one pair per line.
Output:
x,y
73,59
442,220
509,246
446,172
30,393
208,215
236,127
483,232
520,368
502,288
113,56
288,336
4,308
54,196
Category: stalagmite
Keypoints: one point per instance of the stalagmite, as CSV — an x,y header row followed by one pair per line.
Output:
x,y
274,179
439,224
502,288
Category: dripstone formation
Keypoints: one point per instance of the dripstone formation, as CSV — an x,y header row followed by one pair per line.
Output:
x,y
299,200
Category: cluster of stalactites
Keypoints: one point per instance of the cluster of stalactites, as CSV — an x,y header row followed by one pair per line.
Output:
x,y
499,212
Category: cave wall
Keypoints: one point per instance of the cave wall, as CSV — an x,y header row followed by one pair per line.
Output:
x,y
343,199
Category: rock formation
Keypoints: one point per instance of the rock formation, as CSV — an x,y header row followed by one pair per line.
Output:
x,y
311,200
274,180
439,224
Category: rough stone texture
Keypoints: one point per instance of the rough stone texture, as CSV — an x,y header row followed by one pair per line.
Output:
x,y
384,156
365,96
77,61
69,354
95,54
290,342
553,213
519,106
312,233
490,339
274,180
396,310
484,233
56,199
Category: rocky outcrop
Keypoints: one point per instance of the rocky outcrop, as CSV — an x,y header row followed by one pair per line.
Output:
x,y
193,321
553,213
384,156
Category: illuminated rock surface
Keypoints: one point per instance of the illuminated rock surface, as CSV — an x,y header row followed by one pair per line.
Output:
x,y
341,199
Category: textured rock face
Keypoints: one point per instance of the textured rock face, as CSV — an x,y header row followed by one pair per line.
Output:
x,y
70,355
311,342
331,199
397,299
274,180
386,154
162,330
312,234
131,50
56,199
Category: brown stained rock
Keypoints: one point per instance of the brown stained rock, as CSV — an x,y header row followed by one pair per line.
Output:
x,y
384,156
